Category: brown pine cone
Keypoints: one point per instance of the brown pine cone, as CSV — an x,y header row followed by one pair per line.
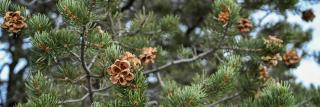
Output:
x,y
291,58
13,22
308,15
263,72
273,41
224,16
244,25
272,59
148,55
131,58
120,72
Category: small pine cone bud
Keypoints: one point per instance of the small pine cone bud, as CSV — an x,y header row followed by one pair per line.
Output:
x,y
148,55
13,22
273,41
263,72
44,48
272,59
244,25
291,58
224,16
308,15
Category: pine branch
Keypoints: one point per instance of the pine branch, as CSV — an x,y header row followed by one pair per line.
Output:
x,y
102,89
241,49
304,102
84,65
92,61
75,100
160,79
224,99
76,55
85,96
181,61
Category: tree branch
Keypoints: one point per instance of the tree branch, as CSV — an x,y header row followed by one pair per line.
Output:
x,y
92,61
83,63
75,100
181,61
224,99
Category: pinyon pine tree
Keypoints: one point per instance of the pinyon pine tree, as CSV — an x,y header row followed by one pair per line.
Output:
x,y
167,53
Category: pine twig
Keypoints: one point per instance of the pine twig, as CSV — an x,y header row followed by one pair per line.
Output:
x,y
181,61
224,99
102,89
75,55
92,61
84,65
242,49
160,79
75,100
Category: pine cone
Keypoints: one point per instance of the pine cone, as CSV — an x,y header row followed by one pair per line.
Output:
x,y
148,55
308,15
131,58
263,72
273,41
13,22
291,58
244,25
224,16
272,59
120,72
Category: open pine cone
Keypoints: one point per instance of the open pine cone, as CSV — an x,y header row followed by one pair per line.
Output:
x,y
120,72
308,15
244,25
272,59
291,58
13,22
273,41
148,55
131,58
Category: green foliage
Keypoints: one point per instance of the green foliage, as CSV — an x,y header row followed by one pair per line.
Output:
x,y
4,6
45,100
191,96
170,23
38,85
133,95
144,23
75,11
97,104
60,59
38,23
224,80
274,95
218,6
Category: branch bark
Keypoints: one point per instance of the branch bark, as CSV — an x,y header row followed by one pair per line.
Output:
x,y
181,61
224,99
84,65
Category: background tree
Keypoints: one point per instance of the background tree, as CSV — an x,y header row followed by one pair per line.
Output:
x,y
202,53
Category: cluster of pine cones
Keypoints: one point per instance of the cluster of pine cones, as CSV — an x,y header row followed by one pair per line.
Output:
x,y
122,70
